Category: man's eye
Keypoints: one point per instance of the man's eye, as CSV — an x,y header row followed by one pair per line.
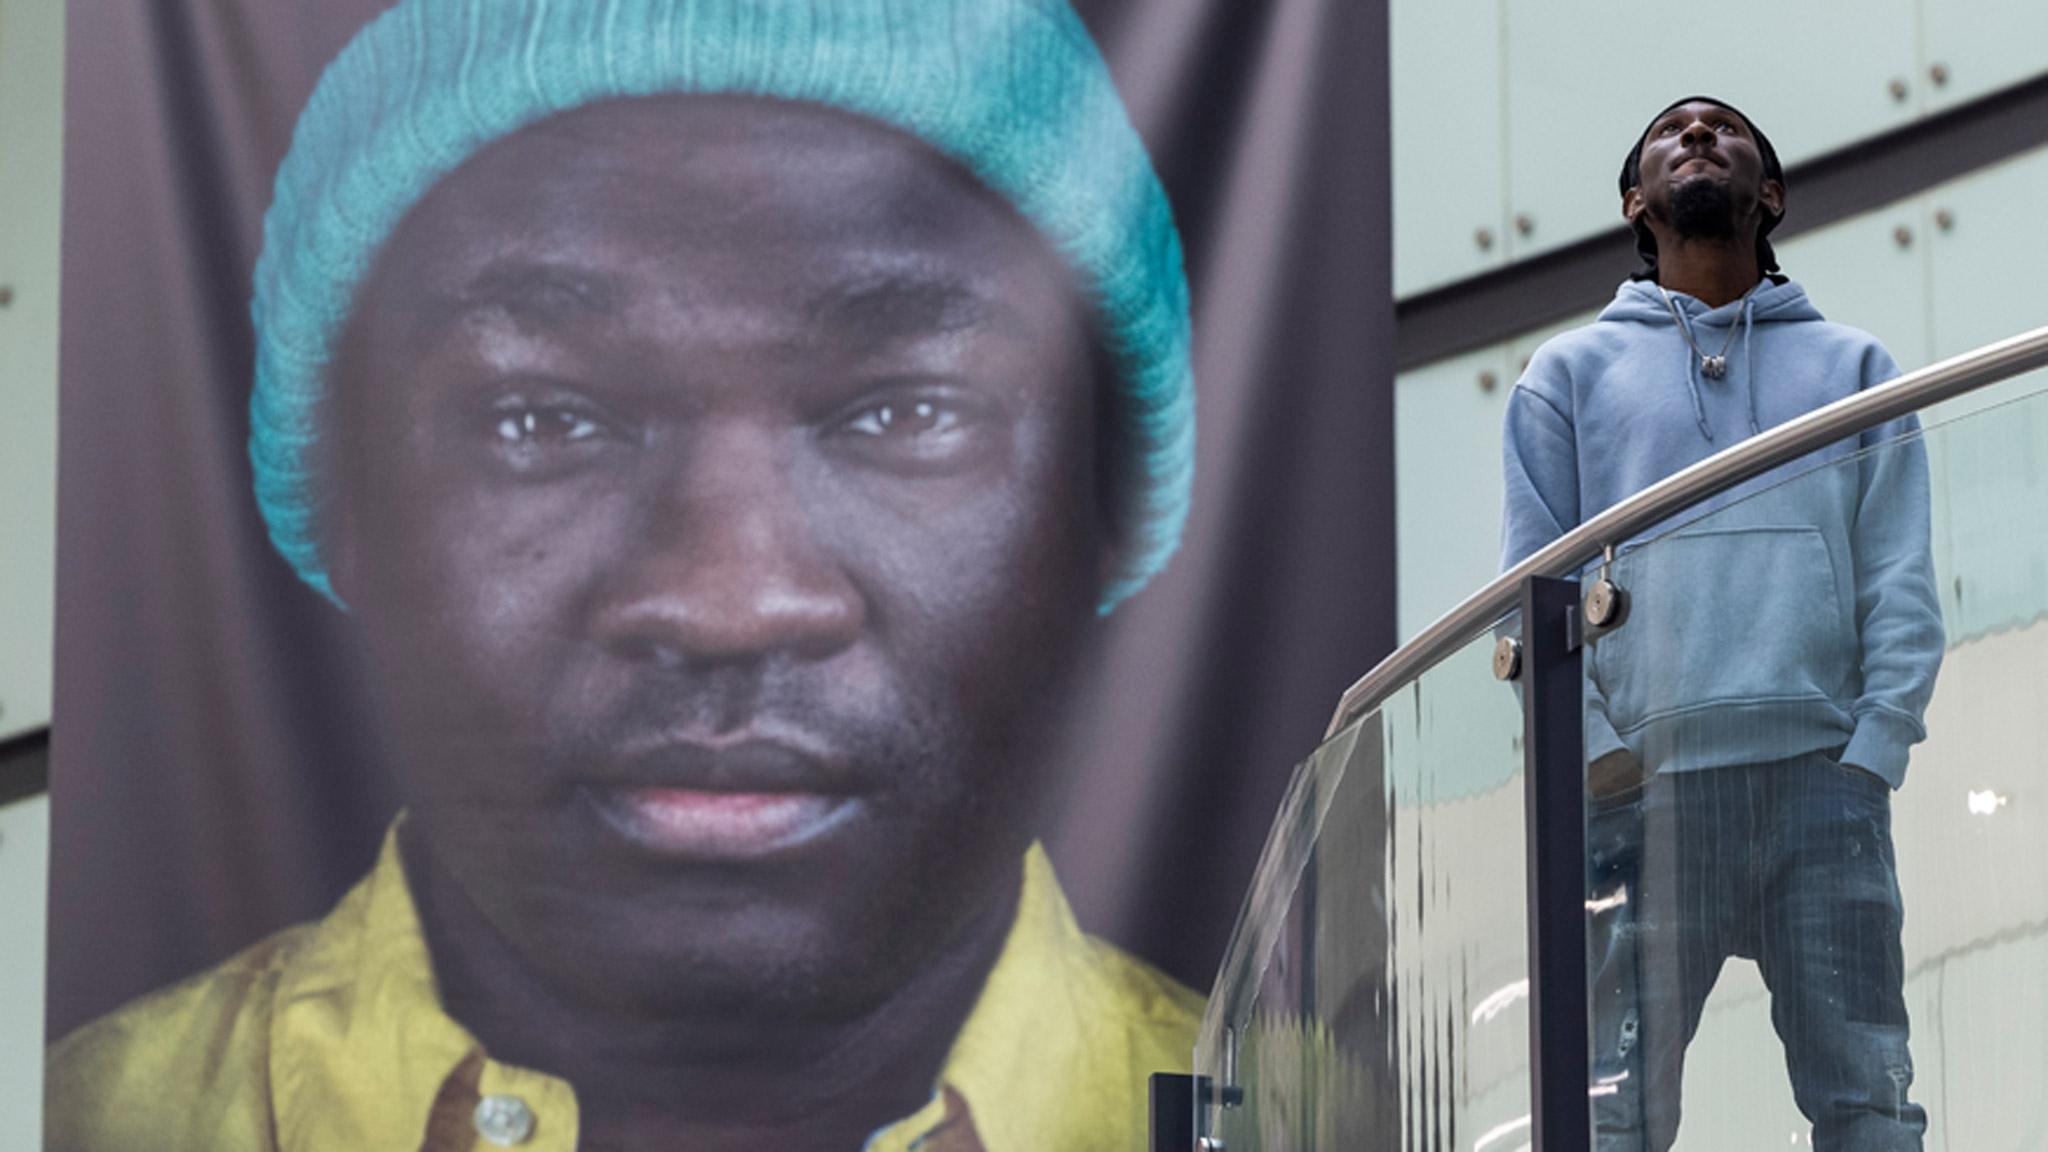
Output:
x,y
919,433
909,420
541,425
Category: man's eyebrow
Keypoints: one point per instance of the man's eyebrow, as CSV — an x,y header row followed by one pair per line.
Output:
x,y
906,302
526,290
1715,112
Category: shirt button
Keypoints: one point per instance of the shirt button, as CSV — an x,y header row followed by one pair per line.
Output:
x,y
504,1120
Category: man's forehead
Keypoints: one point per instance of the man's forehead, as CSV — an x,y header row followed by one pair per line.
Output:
x,y
878,295
584,215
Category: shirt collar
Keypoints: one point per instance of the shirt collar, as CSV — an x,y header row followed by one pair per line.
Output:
x,y
363,1056
1036,1051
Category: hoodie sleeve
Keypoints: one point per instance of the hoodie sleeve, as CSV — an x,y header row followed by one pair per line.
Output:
x,y
1540,465
1898,615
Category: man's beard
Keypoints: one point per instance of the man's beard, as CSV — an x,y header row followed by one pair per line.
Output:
x,y
1703,209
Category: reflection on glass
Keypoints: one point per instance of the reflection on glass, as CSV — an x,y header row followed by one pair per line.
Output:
x,y
1806,910
1375,993
1774,937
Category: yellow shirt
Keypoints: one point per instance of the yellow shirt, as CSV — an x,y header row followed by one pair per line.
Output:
x,y
331,1036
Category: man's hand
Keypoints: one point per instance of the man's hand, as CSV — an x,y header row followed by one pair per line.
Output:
x,y
1613,774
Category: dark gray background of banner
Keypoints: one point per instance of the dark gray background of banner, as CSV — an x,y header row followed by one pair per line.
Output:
x,y
209,782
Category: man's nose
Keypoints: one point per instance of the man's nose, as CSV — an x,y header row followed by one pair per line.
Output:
x,y
1696,134
728,566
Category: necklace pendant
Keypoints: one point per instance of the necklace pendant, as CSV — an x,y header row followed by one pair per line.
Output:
x,y
1714,367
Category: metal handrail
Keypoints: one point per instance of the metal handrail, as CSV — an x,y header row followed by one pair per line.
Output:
x,y
1710,477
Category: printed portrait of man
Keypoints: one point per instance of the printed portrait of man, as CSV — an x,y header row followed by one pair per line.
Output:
x,y
724,424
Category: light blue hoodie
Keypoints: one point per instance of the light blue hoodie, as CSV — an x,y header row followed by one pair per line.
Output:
x,y
1797,614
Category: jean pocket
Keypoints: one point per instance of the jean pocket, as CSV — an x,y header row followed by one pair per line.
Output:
x,y
1862,778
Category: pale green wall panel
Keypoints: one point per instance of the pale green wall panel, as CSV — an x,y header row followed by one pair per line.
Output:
x,y
1561,85
1447,496
1980,46
1869,272
31,94
1584,76
31,133
1447,463
1989,257
1992,467
24,873
1449,176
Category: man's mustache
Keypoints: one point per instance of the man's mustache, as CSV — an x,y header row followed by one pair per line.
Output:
x,y
783,727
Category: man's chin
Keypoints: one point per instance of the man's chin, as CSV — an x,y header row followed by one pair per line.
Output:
x,y
1703,208
753,967
819,938
827,914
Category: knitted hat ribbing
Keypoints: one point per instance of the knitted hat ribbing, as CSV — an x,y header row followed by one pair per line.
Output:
x,y
1015,90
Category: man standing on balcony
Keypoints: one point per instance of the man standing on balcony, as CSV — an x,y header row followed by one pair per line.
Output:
x,y
1746,726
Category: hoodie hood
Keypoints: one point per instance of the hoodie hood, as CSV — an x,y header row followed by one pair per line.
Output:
x,y
1772,300
1728,331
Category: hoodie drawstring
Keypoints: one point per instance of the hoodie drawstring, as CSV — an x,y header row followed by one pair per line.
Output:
x,y
1693,381
1692,376
1749,359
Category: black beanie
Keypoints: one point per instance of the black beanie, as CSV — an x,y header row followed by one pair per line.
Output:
x,y
1632,175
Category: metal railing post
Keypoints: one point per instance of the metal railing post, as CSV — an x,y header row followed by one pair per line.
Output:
x,y
1173,1102
1554,783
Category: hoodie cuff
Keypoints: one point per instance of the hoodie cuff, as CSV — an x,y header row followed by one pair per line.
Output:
x,y
1879,745
1600,736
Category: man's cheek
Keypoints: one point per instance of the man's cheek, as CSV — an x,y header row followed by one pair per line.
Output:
x,y
500,571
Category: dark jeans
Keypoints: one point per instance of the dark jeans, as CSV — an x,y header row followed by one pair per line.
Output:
x,y
1788,864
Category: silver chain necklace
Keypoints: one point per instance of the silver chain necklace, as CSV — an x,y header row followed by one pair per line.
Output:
x,y
1712,367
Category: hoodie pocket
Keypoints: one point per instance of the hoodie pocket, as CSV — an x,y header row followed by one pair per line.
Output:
x,y
1728,616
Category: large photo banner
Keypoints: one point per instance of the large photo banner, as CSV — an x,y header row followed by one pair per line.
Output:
x,y
695,573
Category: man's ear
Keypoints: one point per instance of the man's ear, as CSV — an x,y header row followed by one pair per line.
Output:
x,y
1772,198
1632,204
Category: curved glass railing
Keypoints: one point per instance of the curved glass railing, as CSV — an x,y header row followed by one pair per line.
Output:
x,y
1764,945
1378,978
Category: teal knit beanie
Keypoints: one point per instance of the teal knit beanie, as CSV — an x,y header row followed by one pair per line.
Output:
x,y
1015,90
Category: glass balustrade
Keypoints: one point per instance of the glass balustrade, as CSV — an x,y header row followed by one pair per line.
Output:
x,y
1805,908
1814,927
1374,994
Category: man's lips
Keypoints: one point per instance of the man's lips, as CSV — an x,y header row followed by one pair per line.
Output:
x,y
726,799
1701,157
729,826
